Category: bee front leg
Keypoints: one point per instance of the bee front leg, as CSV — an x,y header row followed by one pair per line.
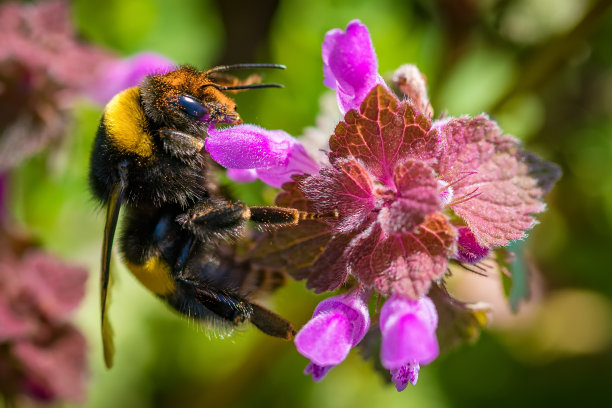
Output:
x,y
180,144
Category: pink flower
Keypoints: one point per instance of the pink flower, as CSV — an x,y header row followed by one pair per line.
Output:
x,y
41,354
337,325
45,68
251,152
350,65
408,329
120,74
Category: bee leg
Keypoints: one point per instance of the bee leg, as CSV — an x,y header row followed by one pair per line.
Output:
x,y
203,301
282,216
215,219
181,145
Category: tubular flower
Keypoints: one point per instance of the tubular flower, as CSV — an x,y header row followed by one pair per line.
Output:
x,y
403,184
350,65
337,325
253,152
408,329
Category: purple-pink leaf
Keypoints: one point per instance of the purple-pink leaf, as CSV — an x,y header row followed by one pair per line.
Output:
x,y
411,82
58,288
417,196
406,263
384,133
345,187
55,366
498,197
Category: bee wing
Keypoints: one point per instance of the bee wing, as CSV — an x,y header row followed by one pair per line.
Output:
x,y
112,215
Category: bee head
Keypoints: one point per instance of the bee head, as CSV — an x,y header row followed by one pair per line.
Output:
x,y
187,100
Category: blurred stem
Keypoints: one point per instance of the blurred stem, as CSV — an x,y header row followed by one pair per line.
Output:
x,y
542,62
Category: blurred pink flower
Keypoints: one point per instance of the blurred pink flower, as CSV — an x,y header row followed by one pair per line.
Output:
x,y
44,68
119,74
41,354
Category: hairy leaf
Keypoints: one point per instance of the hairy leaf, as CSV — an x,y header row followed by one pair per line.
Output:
x,y
384,133
345,187
495,191
405,263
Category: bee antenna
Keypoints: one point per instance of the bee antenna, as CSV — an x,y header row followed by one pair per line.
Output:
x,y
223,68
239,87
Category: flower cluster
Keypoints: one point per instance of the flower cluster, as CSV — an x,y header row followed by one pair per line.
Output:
x,y
41,354
44,68
412,195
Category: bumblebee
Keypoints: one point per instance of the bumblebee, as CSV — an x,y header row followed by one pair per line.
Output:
x,y
148,158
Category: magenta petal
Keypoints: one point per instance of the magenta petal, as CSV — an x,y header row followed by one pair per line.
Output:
x,y
408,330
468,250
298,162
404,375
354,307
350,65
338,324
318,372
326,339
273,154
242,175
126,73
248,146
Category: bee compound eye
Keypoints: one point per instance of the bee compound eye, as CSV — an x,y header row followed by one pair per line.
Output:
x,y
192,107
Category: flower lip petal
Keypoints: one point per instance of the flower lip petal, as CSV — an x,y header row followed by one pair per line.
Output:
x,y
404,375
325,339
248,146
468,249
408,330
338,324
317,371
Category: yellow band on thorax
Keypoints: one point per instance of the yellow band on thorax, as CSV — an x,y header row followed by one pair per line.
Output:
x,y
125,124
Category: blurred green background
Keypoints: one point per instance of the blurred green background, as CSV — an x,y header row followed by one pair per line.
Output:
x,y
542,68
